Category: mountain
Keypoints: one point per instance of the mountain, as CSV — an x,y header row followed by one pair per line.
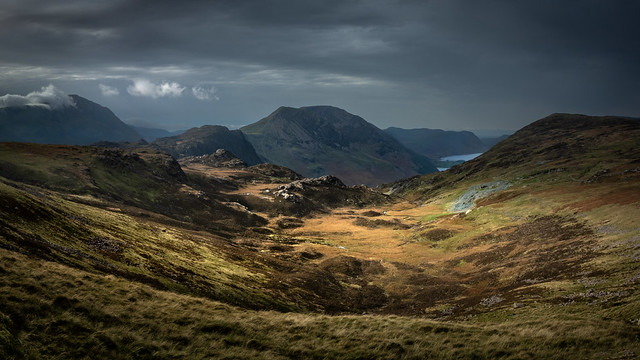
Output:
x,y
82,123
321,140
150,134
207,140
435,143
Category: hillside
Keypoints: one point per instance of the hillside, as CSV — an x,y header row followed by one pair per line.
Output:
x,y
435,143
561,148
206,140
528,251
82,123
322,140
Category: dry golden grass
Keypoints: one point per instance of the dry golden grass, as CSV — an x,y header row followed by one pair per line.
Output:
x,y
53,311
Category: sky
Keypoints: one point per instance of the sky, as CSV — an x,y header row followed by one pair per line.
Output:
x,y
484,65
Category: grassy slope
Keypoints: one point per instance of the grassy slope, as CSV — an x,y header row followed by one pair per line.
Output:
x,y
144,178
53,311
101,238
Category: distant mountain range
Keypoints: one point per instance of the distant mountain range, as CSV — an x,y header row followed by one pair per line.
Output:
x,y
313,141
320,140
83,123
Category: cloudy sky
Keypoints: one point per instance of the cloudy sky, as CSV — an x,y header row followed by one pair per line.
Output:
x,y
452,64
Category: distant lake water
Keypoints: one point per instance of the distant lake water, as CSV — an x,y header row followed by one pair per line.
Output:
x,y
464,157
455,159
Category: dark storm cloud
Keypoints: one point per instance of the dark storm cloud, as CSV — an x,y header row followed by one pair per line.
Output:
x,y
461,63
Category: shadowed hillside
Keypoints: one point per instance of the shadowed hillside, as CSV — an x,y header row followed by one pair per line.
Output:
x,y
324,140
81,123
434,143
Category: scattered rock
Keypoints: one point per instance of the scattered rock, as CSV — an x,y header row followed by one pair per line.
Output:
x,y
492,300
288,196
590,281
448,311
598,296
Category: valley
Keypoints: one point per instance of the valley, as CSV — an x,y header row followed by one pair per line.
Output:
x,y
527,251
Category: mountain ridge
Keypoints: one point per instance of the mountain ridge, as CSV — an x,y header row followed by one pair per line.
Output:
x,y
437,143
322,140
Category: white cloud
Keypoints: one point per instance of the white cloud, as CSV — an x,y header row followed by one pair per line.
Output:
x,y
204,94
49,97
108,90
144,87
170,89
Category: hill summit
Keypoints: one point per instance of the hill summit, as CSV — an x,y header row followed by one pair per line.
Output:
x,y
206,140
321,140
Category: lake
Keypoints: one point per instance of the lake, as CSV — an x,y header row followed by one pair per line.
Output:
x,y
463,157
445,162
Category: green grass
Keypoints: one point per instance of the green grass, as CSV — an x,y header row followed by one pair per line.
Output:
x,y
431,217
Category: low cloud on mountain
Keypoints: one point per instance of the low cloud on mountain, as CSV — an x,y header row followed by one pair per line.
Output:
x,y
49,97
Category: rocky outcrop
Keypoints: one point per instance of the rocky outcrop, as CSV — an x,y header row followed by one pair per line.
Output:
x,y
220,158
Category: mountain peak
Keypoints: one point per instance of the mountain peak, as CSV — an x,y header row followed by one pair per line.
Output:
x,y
323,140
